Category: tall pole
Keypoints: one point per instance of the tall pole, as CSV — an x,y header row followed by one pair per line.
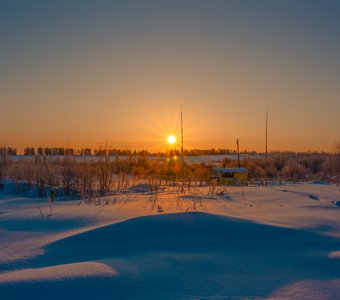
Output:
x,y
182,149
266,147
238,154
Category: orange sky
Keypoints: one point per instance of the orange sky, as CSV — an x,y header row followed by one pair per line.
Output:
x,y
119,73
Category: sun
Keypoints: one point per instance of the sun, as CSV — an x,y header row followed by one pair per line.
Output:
x,y
171,139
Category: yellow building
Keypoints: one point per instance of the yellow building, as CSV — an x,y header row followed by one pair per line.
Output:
x,y
231,176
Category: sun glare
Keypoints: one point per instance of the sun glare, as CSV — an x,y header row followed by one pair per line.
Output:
x,y
171,139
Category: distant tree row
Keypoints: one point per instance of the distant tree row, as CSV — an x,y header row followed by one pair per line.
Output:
x,y
8,151
112,152
61,151
212,151
30,151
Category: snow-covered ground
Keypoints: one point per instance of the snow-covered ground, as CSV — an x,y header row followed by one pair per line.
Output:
x,y
280,242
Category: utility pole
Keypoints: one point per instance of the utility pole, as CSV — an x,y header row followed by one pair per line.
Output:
x,y
266,148
238,154
182,149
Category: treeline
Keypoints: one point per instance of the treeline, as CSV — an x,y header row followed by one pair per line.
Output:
x,y
213,151
8,151
61,151
31,151
120,152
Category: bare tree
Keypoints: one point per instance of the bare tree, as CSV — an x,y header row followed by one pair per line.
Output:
x,y
41,174
337,163
337,146
104,175
4,165
86,177
68,175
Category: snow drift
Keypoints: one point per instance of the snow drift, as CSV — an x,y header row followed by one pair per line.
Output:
x,y
185,256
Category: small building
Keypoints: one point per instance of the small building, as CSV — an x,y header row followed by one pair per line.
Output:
x,y
231,176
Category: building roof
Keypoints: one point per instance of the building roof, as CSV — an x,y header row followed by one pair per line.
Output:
x,y
230,170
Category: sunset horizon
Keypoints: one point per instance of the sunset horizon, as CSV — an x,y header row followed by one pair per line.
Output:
x,y
82,73
156,140
170,149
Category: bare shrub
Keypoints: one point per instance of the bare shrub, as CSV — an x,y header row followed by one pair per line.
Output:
x,y
294,170
103,171
68,175
201,172
4,164
40,171
86,177
102,175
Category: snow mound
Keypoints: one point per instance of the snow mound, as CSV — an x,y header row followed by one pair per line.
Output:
x,y
186,255
308,289
61,272
319,182
335,254
176,256
144,188
313,197
302,193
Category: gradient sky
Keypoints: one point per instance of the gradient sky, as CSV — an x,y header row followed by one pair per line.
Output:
x,y
82,73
